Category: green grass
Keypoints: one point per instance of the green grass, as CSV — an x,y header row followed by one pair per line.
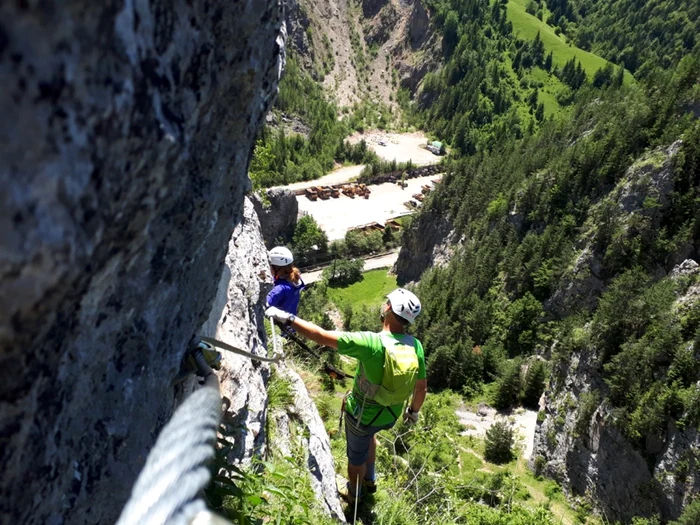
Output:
x,y
526,26
547,93
369,291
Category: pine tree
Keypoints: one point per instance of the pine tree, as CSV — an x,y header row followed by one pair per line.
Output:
x,y
499,443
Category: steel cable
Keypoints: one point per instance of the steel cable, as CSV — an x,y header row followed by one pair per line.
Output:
x,y
169,486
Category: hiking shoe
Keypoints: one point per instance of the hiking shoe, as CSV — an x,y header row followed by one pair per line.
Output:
x,y
370,486
349,496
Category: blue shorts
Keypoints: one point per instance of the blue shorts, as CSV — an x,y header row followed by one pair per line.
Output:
x,y
358,438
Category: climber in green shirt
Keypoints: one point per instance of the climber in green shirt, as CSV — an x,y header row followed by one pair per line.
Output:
x,y
391,368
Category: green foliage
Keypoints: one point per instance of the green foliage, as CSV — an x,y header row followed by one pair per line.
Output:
x,y
370,291
279,392
641,36
283,158
342,272
534,383
308,238
314,304
507,392
499,443
278,490
690,516
588,403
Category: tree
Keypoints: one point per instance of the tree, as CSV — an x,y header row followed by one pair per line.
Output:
x,y
499,443
344,271
308,236
603,76
548,61
539,112
508,386
534,384
451,33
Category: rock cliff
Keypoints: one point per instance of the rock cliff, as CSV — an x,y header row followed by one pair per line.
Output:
x,y
429,241
236,318
579,442
279,218
126,138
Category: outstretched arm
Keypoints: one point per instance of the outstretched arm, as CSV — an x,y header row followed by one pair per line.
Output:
x,y
314,332
304,328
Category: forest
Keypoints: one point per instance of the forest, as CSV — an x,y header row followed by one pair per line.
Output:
x,y
532,204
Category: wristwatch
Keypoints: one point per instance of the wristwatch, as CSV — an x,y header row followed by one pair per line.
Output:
x,y
290,320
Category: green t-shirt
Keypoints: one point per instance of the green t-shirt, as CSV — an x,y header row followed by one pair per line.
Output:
x,y
367,348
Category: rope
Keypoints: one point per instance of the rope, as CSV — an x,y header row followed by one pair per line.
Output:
x,y
274,336
168,488
225,346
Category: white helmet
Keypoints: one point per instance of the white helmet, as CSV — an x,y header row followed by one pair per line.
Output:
x,y
405,304
281,256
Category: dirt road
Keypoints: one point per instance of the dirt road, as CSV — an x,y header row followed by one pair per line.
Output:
x,y
384,261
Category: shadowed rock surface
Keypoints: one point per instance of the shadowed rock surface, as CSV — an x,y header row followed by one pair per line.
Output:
x,y
124,146
280,217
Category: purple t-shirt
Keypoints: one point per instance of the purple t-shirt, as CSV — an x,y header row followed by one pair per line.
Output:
x,y
285,295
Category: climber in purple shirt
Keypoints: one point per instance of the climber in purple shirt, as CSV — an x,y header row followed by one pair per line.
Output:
x,y
288,283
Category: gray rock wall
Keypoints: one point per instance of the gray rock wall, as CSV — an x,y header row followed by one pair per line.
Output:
x,y
279,218
429,241
124,145
236,318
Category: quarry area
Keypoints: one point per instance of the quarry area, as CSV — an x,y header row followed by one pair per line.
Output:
x,y
342,212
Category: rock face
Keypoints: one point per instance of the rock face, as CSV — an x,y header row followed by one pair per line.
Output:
x,y
297,23
592,460
315,443
126,137
236,318
279,218
579,443
428,242
650,181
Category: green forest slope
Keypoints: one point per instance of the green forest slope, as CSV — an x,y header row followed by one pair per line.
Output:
x,y
569,229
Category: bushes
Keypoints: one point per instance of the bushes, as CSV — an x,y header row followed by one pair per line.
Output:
x,y
499,443
344,271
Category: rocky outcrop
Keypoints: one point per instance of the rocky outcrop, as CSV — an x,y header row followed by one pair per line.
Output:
x,y
430,241
126,136
297,22
579,443
278,216
638,201
418,26
371,7
314,442
236,319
